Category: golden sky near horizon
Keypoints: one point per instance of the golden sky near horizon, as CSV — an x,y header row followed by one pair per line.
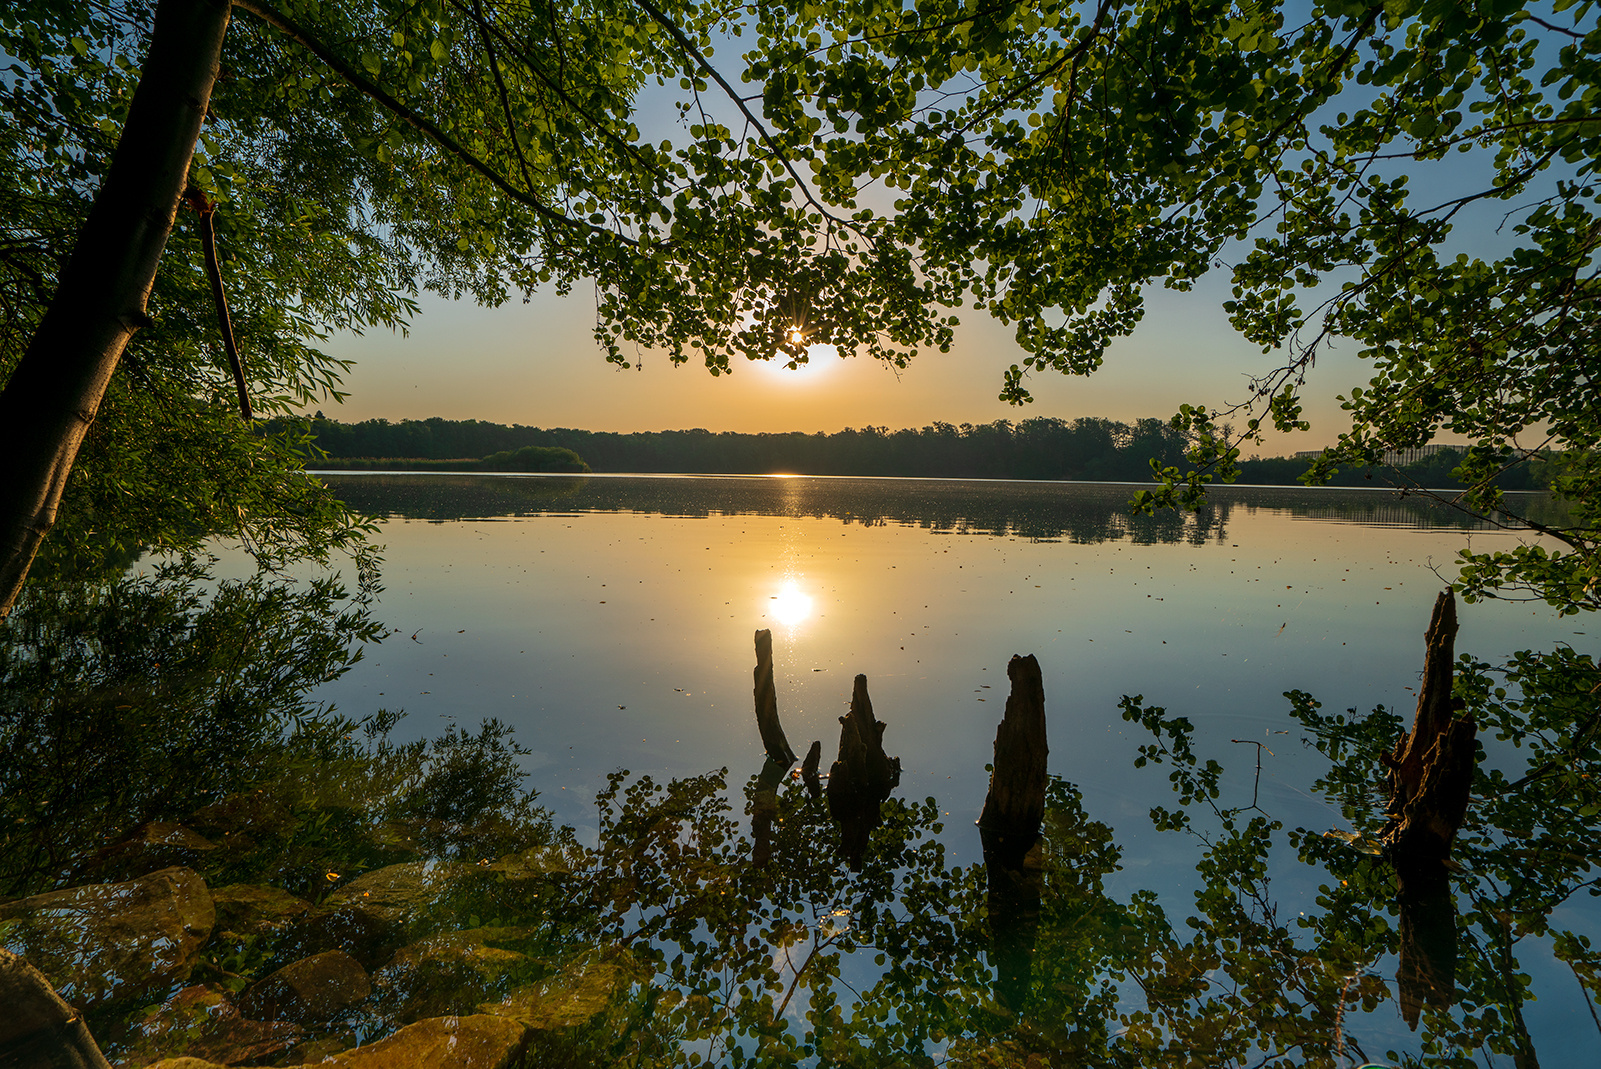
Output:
x,y
538,364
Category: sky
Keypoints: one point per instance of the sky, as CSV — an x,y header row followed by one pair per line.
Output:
x,y
538,364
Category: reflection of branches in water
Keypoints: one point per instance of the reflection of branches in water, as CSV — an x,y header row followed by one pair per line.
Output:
x,y
670,886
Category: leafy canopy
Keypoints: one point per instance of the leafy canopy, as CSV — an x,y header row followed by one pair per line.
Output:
x,y
851,176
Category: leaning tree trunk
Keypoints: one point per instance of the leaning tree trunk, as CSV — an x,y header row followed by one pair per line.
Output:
x,y
52,396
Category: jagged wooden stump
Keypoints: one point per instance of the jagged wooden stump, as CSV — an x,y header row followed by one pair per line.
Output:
x,y
1431,767
862,777
809,776
773,740
1015,804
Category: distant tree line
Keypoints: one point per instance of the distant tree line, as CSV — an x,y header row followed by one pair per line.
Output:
x,y
1087,448
1095,449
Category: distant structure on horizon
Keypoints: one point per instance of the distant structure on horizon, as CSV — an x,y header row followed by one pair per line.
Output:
x,y
1395,458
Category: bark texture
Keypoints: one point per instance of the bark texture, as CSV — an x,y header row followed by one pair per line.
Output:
x,y
862,777
52,396
38,1030
1015,804
773,740
1431,767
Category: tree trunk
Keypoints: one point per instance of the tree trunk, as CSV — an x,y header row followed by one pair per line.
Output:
x,y
1431,768
1015,804
862,777
52,396
766,693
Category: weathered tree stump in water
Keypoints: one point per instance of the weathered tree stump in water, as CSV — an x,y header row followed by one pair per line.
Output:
x,y
809,776
1431,768
1015,804
773,740
862,777
1010,829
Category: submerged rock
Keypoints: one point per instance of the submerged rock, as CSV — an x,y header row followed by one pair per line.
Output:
x,y
372,915
477,1042
201,1022
448,973
536,862
251,815
111,942
399,894
153,846
313,989
252,911
571,997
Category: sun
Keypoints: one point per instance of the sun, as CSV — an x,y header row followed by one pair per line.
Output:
x,y
790,606
821,360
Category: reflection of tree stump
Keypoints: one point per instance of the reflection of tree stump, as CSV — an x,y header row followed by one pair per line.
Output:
x,y
862,777
1430,775
773,740
1014,920
764,807
1015,804
1431,768
1428,944
1010,829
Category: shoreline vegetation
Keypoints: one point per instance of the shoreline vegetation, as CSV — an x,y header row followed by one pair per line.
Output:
x,y
1088,449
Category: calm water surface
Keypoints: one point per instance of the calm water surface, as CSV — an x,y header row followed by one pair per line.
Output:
x,y
696,916
609,619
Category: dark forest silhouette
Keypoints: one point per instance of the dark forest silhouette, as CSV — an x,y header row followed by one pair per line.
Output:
x,y
1087,448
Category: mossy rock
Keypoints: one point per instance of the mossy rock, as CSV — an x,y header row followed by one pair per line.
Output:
x,y
401,895
257,911
308,991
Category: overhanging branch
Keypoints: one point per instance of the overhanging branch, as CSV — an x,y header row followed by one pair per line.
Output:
x,y
423,125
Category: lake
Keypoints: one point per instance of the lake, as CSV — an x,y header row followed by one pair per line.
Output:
x,y
608,619
1209,886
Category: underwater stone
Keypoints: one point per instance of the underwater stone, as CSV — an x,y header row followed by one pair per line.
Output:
x,y
105,943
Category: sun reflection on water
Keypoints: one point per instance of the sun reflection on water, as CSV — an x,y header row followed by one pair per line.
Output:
x,y
790,606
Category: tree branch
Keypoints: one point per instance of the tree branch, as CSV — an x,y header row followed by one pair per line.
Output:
x,y
208,241
428,129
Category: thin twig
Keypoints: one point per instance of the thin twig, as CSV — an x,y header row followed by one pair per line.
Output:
x,y
208,241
